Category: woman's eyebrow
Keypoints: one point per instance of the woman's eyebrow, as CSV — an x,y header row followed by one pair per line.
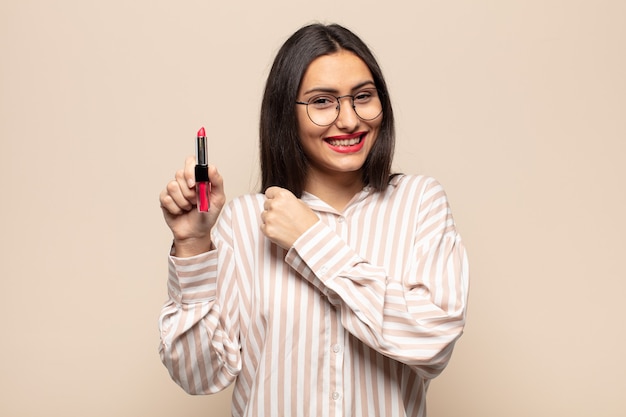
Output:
x,y
335,91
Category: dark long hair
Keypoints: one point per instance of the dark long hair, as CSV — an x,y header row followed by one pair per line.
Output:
x,y
283,162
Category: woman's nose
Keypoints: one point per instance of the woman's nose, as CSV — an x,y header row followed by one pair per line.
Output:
x,y
347,118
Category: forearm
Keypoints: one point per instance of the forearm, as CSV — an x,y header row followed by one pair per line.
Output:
x,y
404,322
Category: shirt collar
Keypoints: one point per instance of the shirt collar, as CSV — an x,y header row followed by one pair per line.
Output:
x,y
317,204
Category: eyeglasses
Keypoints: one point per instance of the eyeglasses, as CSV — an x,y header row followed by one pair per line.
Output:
x,y
323,109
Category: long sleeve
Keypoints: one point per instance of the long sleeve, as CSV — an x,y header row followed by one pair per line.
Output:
x,y
416,317
199,323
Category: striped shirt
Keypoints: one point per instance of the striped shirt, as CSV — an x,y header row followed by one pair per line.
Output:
x,y
354,319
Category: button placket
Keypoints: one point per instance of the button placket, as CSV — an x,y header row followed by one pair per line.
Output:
x,y
341,226
336,347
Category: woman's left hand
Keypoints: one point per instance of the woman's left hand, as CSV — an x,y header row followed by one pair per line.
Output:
x,y
285,217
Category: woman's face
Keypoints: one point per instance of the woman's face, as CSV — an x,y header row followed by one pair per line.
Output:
x,y
341,147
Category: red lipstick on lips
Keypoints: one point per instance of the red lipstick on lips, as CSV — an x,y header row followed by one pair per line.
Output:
x,y
347,148
203,185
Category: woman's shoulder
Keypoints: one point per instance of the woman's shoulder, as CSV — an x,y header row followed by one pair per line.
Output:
x,y
420,190
421,193
415,181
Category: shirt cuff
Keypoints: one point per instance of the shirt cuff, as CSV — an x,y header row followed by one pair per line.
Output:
x,y
194,279
321,254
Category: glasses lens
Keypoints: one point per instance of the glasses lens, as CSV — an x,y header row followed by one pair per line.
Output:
x,y
323,109
367,104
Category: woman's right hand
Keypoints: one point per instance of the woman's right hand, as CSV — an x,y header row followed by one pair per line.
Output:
x,y
190,227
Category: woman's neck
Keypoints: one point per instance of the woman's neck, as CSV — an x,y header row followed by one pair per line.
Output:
x,y
334,190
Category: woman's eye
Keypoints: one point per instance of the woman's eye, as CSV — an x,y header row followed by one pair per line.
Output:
x,y
363,96
321,101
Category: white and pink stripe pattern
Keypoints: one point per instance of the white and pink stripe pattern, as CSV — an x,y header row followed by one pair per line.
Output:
x,y
354,320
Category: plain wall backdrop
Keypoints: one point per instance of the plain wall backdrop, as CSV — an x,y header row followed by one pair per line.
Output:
x,y
517,107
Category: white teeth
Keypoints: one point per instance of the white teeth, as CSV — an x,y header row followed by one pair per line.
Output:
x,y
344,142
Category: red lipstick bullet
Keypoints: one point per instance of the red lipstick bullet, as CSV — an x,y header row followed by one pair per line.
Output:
x,y
203,185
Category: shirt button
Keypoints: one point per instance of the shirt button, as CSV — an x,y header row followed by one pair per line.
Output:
x,y
341,219
336,348
336,396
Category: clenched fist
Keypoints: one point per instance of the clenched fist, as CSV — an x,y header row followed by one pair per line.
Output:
x,y
285,218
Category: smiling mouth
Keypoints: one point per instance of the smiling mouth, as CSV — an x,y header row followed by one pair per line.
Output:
x,y
346,141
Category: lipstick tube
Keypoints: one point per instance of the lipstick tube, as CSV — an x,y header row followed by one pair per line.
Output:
x,y
203,185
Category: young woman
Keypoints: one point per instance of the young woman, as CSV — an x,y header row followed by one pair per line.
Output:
x,y
340,289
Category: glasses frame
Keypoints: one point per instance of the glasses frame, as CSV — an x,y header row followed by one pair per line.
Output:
x,y
338,108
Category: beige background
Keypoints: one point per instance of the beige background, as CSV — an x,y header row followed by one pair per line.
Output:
x,y
517,107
